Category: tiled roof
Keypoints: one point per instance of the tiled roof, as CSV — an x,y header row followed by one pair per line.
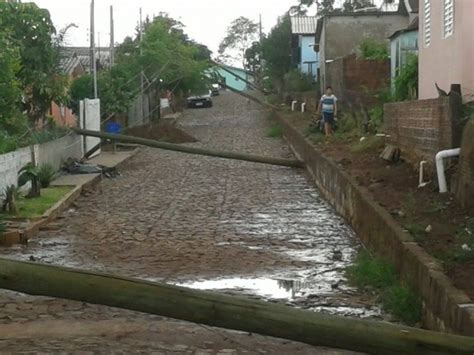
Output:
x,y
303,25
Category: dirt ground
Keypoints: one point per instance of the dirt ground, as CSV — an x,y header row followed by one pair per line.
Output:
x,y
436,221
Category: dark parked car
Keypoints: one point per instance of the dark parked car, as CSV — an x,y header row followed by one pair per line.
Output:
x,y
201,100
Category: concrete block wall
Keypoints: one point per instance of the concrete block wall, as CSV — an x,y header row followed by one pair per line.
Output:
x,y
53,152
11,163
59,150
419,128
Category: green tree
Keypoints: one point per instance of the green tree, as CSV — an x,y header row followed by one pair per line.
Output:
x,y
241,34
10,92
372,49
276,50
325,6
30,30
406,82
166,55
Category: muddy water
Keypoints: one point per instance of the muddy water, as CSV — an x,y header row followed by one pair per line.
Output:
x,y
305,229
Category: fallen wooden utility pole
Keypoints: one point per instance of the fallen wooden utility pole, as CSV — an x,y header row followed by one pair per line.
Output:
x,y
249,83
227,311
190,150
247,96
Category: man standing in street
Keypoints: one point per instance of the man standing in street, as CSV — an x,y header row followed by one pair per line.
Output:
x,y
328,109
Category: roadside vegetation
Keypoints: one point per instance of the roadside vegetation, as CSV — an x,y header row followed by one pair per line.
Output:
x,y
169,59
28,208
275,131
3,225
30,77
376,275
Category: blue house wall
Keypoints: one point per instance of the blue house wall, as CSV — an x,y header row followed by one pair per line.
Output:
x,y
308,55
233,81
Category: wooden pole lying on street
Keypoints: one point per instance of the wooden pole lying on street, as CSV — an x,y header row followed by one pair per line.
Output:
x,y
225,311
190,150
249,83
247,96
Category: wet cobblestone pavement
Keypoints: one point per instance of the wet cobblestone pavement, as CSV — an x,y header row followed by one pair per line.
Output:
x,y
231,226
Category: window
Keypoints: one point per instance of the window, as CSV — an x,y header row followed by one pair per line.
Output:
x,y
427,23
448,18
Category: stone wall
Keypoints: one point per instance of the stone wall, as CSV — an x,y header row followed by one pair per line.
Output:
x,y
446,308
420,128
54,153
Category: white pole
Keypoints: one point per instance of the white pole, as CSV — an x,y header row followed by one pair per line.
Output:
x,y
293,104
93,59
112,44
142,84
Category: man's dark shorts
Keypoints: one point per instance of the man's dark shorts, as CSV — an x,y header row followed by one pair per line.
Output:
x,y
328,117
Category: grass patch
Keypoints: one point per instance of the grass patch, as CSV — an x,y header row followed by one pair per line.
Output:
x,y
436,207
409,204
370,144
463,250
416,230
3,225
35,207
396,298
371,272
276,131
403,304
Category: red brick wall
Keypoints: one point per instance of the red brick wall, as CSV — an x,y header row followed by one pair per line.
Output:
x,y
354,79
419,128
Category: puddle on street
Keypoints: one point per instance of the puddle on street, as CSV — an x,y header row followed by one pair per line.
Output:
x,y
304,294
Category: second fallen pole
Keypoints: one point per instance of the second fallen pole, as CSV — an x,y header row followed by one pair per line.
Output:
x,y
191,150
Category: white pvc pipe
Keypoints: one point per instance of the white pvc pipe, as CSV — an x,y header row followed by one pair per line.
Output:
x,y
293,105
421,182
303,107
440,166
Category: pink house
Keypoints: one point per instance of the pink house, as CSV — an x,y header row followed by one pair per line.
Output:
x,y
446,46
72,67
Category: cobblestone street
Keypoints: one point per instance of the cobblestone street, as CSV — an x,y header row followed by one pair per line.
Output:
x,y
230,226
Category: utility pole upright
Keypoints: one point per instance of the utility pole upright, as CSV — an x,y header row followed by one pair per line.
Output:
x,y
93,58
112,40
142,75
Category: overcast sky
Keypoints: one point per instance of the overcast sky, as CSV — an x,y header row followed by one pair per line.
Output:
x,y
205,20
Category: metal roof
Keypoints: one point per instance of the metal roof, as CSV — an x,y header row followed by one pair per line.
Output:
x,y
83,55
413,26
68,63
302,25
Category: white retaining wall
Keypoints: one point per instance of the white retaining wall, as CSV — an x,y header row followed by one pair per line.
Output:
x,y
53,152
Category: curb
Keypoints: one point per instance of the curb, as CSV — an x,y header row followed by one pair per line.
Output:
x,y
21,236
445,308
